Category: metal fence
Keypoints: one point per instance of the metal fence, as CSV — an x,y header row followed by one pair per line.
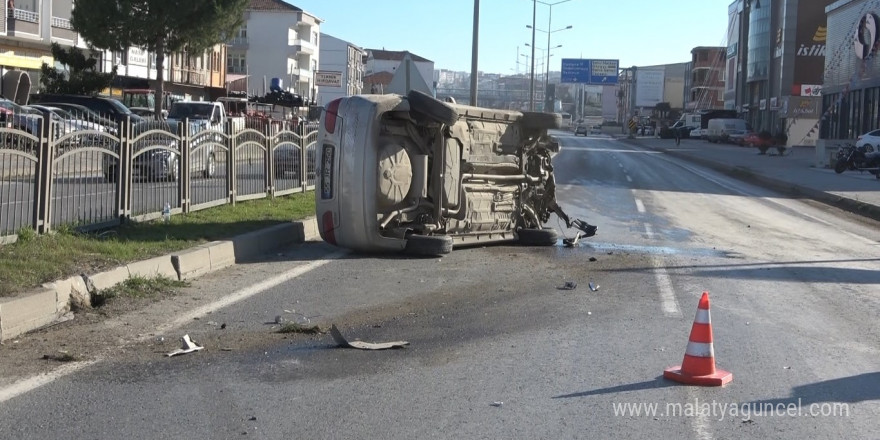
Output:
x,y
56,171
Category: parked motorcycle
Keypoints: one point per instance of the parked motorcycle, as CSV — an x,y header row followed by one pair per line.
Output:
x,y
855,158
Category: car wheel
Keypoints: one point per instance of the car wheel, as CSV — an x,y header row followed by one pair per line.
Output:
x,y
428,245
537,237
869,148
541,121
210,168
431,107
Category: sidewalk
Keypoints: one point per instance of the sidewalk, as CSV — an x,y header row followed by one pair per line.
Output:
x,y
794,173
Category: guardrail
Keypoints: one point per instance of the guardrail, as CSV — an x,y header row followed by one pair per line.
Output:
x,y
94,177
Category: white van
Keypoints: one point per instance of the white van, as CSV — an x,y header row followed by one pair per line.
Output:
x,y
726,129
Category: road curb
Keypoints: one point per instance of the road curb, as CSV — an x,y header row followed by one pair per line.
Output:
x,y
53,302
845,203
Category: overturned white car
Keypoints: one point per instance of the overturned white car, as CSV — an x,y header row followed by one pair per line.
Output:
x,y
416,174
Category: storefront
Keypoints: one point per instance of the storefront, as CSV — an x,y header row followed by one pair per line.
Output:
x,y
851,93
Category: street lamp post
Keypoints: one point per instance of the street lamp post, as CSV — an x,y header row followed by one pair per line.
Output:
x,y
549,22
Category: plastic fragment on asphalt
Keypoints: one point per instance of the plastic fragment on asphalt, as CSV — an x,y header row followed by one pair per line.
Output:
x,y
342,342
594,287
569,285
186,346
497,403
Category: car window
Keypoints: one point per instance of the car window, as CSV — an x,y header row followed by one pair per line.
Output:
x,y
874,133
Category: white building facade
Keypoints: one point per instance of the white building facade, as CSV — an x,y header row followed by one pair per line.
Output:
x,y
341,72
278,41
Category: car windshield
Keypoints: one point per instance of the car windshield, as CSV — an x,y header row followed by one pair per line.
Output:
x,y
191,110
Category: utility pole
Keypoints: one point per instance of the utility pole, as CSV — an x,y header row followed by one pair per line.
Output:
x,y
532,76
474,53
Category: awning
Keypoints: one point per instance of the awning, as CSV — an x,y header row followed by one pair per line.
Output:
x,y
233,77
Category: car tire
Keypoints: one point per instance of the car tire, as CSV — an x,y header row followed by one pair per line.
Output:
x,y
869,148
431,107
541,121
428,245
537,237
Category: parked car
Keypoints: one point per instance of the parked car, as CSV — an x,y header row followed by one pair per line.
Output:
x,y
596,129
86,114
156,156
107,107
287,162
870,141
581,129
696,133
408,173
726,129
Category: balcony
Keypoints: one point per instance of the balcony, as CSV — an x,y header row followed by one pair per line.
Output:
x,y
238,43
61,23
300,75
24,15
299,46
189,77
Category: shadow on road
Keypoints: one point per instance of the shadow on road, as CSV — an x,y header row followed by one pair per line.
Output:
x,y
850,389
658,382
816,271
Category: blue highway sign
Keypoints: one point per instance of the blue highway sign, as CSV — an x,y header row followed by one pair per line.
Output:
x,y
588,71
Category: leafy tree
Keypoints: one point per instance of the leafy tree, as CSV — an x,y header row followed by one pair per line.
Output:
x,y
162,27
80,75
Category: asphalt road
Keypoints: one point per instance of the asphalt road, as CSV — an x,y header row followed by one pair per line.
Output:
x,y
496,349
86,198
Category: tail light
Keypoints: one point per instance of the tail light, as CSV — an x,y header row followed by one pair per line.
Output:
x,y
327,227
330,116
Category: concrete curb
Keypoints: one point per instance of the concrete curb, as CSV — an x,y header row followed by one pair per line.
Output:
x,y
847,204
53,302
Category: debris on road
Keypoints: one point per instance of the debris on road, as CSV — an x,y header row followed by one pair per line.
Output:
x,y
342,342
187,346
497,403
62,356
594,287
571,242
593,259
293,327
569,285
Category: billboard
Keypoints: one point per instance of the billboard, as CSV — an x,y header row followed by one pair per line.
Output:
x,y
649,86
589,71
809,59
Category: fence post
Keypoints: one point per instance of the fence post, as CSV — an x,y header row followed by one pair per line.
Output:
x,y
124,174
303,157
183,183
231,183
269,143
45,171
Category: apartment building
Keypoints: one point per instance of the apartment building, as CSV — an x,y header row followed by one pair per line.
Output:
x,y
27,29
341,72
704,79
278,41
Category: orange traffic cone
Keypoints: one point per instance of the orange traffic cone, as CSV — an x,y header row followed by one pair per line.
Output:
x,y
698,366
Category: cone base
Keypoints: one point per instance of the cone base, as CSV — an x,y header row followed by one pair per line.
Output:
x,y
717,379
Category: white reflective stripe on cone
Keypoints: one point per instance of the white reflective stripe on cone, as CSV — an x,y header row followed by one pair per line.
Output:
x,y
702,317
700,349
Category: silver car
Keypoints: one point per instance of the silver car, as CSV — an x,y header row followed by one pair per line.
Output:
x,y
415,174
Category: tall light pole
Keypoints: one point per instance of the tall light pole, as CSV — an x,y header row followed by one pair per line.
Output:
x,y
532,76
549,22
474,50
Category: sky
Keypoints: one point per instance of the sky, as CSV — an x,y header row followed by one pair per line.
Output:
x,y
636,32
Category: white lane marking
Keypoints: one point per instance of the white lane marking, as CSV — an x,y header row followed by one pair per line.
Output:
x,y
700,421
32,383
664,284
245,293
629,179
35,382
649,231
640,206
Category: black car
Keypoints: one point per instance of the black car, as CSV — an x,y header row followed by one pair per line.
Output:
x,y
581,129
106,107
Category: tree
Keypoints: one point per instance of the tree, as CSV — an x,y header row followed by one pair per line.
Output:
x,y
80,75
162,27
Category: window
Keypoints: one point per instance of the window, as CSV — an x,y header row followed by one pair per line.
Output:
x,y
236,63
